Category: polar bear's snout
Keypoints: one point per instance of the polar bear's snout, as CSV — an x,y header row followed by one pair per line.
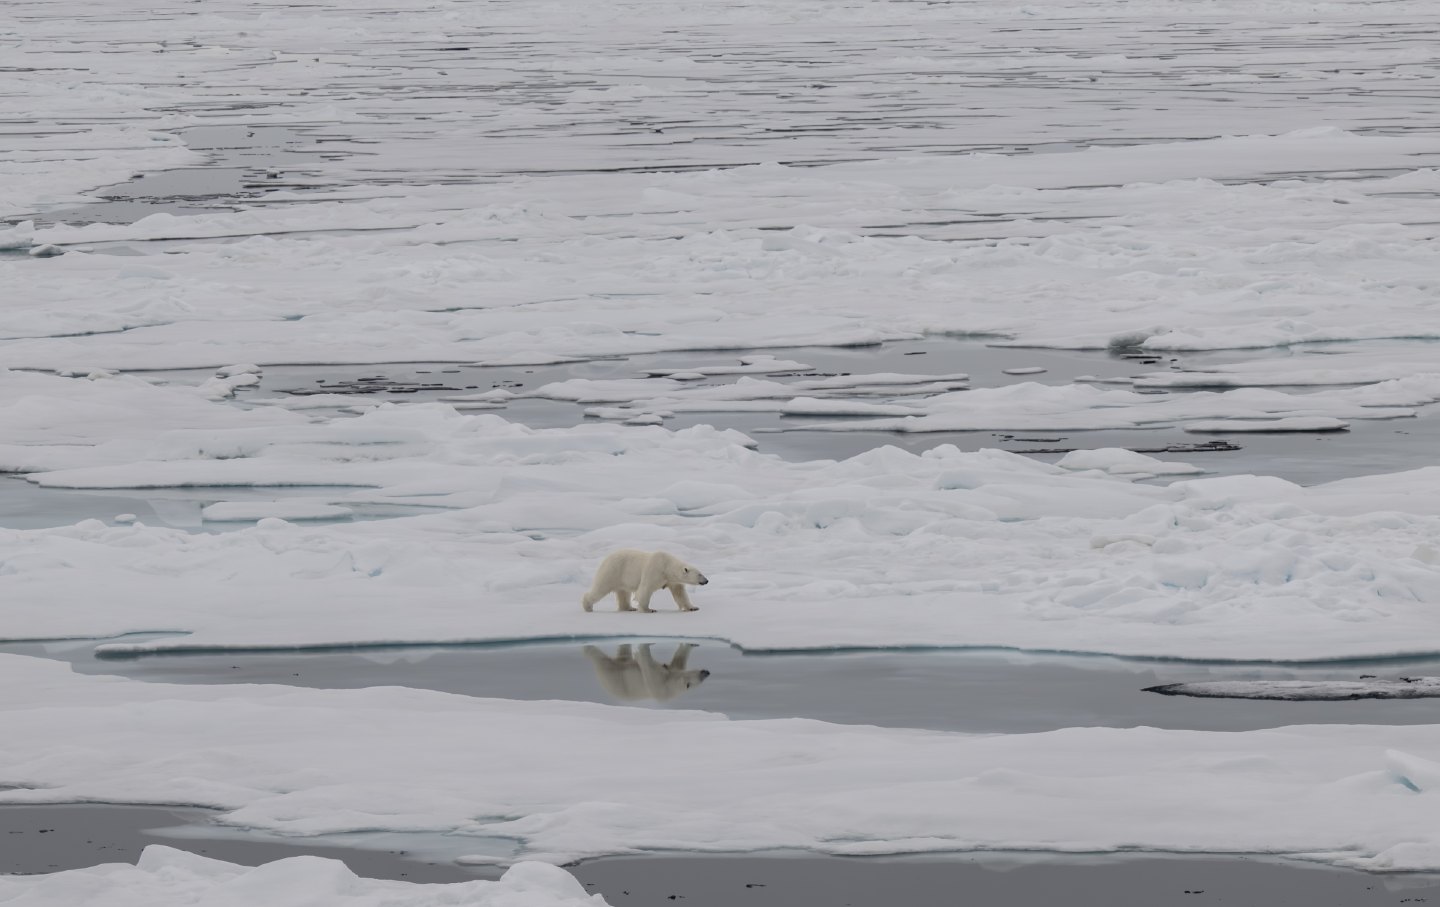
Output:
x,y
704,674
703,580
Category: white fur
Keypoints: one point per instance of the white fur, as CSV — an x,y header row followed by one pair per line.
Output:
x,y
643,573
628,677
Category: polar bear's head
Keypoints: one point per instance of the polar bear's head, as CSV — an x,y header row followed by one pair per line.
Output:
x,y
677,571
690,576
673,682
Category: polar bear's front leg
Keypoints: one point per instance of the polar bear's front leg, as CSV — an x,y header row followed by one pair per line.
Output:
x,y
681,657
651,580
682,598
652,674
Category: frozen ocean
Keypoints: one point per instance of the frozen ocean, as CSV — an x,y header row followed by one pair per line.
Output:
x,y
1050,391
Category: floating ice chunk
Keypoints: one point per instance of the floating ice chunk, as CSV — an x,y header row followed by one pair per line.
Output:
x,y
47,250
1028,370
247,511
616,390
1311,690
20,236
1410,856
94,374
221,387
1292,423
230,371
168,876
1117,461
125,518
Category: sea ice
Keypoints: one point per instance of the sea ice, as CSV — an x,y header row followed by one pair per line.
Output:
x,y
1305,690
165,875
251,511
888,548
562,779
622,206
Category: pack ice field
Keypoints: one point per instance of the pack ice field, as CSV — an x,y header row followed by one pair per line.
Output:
x,y
1100,335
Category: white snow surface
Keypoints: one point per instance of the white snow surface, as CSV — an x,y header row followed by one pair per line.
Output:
x,y
635,208
888,548
301,761
164,875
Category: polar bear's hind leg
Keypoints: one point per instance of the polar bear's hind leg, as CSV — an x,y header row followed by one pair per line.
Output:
x,y
623,597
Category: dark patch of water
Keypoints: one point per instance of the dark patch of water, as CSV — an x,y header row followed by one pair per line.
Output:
x,y
990,880
1369,447
25,505
973,691
244,162
55,837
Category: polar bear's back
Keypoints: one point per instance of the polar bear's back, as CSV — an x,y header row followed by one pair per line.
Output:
x,y
623,569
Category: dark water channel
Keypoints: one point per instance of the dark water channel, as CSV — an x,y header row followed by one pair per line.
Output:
x,y
1370,446
243,163
24,505
986,691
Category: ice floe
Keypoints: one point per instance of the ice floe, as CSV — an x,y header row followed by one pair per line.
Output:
x,y
562,779
887,548
1305,690
165,875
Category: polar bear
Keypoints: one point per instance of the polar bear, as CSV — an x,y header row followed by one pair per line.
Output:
x,y
628,677
642,573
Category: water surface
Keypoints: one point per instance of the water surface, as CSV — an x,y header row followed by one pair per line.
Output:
x,y
969,690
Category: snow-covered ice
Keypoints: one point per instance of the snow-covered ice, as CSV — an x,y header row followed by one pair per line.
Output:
x,y
165,875
887,549
566,780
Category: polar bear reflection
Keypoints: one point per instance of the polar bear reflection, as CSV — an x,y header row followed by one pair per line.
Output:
x,y
629,677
